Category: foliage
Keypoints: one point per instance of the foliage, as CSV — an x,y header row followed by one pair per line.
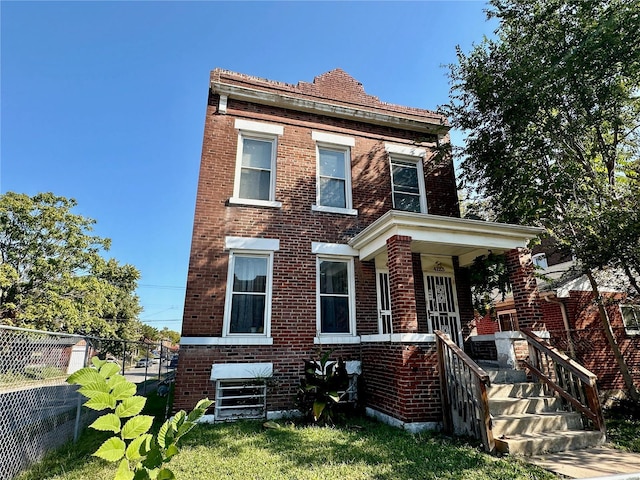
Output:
x,y
323,387
171,335
139,454
623,425
552,111
360,449
489,280
52,276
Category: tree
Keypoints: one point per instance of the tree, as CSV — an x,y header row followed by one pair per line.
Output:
x,y
552,111
52,276
170,335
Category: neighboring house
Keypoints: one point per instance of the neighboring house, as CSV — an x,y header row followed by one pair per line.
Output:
x,y
328,220
573,321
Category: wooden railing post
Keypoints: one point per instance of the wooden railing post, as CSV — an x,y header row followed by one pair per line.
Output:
x,y
465,401
444,391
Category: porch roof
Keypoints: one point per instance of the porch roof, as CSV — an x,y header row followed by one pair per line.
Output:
x,y
438,235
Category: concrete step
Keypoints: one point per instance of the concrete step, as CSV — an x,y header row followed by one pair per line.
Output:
x,y
515,390
527,423
511,406
548,442
506,375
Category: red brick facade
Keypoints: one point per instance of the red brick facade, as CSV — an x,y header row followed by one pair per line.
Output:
x,y
400,377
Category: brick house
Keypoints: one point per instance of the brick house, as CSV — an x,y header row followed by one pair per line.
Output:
x,y
327,219
572,319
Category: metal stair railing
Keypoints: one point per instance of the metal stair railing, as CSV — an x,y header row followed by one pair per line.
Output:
x,y
465,402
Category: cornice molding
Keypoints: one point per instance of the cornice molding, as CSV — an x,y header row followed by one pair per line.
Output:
x,y
396,120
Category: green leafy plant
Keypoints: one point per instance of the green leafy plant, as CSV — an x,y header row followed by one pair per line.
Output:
x,y
141,455
323,387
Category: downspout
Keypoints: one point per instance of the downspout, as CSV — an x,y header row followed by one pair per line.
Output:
x,y
551,298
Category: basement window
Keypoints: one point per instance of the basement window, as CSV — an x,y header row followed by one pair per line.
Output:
x,y
240,399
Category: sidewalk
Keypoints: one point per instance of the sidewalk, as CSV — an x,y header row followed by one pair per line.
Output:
x,y
591,463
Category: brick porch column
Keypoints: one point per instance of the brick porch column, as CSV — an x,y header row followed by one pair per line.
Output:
x,y
525,290
401,285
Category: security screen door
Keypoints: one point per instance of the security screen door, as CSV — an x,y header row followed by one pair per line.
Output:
x,y
442,306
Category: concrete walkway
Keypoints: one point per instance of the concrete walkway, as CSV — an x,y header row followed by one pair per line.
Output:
x,y
599,462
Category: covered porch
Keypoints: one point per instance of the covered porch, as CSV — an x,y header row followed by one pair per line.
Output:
x,y
421,283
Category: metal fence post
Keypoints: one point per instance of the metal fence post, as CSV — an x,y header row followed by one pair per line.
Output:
x,y
76,428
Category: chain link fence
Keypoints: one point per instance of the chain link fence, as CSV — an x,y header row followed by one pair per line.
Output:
x,y
39,410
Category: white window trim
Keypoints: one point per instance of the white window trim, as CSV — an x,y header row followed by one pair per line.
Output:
x,y
333,249
333,139
258,127
249,339
258,131
240,371
420,173
226,325
349,337
416,155
344,144
249,243
405,150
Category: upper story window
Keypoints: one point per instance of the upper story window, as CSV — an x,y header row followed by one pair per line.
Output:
x,y
249,284
333,169
631,318
255,176
407,178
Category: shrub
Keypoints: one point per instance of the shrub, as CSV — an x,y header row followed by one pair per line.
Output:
x,y
323,387
141,455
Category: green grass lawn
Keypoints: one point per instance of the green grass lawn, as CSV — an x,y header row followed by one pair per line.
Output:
x,y
362,449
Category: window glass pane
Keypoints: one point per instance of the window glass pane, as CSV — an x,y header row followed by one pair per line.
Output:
x,y
406,202
405,179
334,278
334,313
256,153
332,163
250,274
247,313
332,193
255,184
631,316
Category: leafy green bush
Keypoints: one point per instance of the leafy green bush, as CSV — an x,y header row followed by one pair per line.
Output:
x,y
141,455
323,387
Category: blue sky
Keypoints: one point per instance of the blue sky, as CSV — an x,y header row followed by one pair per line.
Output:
x,y
105,101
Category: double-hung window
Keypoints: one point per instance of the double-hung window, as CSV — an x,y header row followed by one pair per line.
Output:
x,y
407,178
631,318
335,290
255,176
248,299
333,167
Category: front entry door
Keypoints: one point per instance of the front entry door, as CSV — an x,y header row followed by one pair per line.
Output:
x,y
442,306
